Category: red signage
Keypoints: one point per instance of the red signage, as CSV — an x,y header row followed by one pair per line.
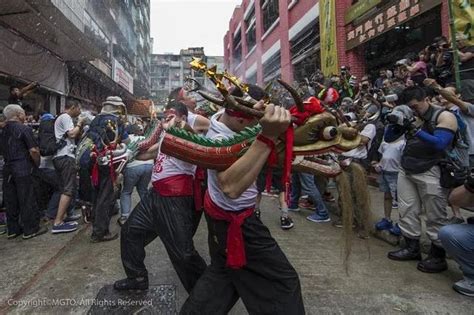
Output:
x,y
397,13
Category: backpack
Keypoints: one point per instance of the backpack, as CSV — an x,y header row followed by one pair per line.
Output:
x,y
47,139
456,162
101,132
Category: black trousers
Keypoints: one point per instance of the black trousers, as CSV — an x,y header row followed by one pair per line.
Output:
x,y
20,201
175,221
267,284
103,203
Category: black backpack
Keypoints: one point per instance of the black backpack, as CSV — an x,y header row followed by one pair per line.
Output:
x,y
47,139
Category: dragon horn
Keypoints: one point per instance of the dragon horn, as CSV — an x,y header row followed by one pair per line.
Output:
x,y
231,103
246,102
211,98
298,101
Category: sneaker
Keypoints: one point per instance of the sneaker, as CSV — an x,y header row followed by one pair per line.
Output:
x,y
41,230
384,224
338,223
105,238
12,236
328,197
257,213
64,227
305,204
296,209
3,230
121,221
465,287
395,230
456,220
394,205
286,223
316,217
73,217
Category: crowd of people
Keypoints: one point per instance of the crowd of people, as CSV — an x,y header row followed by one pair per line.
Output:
x,y
417,135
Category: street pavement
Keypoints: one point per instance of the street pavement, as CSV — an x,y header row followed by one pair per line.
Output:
x,y
70,269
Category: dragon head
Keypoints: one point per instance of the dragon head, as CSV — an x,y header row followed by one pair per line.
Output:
x,y
315,141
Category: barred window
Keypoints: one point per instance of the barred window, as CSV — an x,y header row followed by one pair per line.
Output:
x,y
271,67
237,44
251,32
270,13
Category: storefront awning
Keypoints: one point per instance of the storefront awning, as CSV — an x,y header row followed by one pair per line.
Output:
x,y
395,13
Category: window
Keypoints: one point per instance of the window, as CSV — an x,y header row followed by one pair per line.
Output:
x,y
237,44
252,79
305,41
270,13
251,32
271,67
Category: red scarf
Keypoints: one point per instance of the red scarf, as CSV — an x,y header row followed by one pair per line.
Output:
x,y
236,258
180,186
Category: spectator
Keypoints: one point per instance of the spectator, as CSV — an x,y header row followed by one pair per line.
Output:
x,y
286,222
65,163
304,184
379,83
464,109
136,174
458,238
419,181
418,69
466,69
444,61
21,154
17,94
388,168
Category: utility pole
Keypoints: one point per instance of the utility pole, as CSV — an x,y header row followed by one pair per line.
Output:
x,y
452,27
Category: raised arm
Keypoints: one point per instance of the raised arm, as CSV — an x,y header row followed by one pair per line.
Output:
x,y
243,173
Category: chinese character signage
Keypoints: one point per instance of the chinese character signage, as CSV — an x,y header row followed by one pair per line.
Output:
x,y
396,13
327,30
464,18
121,76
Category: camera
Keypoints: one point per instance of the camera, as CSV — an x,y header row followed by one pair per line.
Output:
x,y
401,115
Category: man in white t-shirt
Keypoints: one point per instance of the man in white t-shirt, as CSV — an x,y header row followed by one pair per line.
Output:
x,y
65,163
367,136
246,261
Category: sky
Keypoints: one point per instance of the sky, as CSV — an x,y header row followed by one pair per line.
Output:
x,y
178,24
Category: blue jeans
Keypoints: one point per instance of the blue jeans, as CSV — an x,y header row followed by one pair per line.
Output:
x,y
137,176
458,241
303,184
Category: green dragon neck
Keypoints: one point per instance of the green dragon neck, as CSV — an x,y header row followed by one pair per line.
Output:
x,y
248,134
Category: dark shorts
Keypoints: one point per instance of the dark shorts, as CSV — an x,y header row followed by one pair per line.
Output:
x,y
66,168
276,180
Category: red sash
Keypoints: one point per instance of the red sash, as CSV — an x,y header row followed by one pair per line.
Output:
x,y
179,186
236,258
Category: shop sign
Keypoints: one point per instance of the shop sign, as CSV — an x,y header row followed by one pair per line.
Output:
x,y
121,76
397,13
327,29
359,9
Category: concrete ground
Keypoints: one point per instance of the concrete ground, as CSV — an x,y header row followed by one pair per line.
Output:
x,y
69,267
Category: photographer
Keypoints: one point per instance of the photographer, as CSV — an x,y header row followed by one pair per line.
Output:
x,y
419,180
458,239
444,61
466,69
466,112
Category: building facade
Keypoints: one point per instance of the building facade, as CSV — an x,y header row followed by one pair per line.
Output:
x,y
83,49
273,38
281,38
374,34
169,71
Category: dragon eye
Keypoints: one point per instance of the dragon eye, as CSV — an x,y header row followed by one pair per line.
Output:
x,y
329,133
